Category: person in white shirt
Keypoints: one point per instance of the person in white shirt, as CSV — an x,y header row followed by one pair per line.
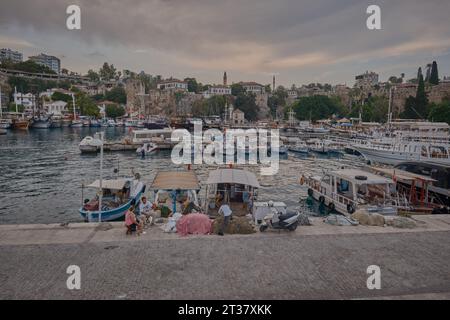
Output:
x,y
226,211
145,209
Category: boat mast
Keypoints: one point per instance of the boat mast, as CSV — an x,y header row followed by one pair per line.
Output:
x,y
1,107
73,103
100,198
15,99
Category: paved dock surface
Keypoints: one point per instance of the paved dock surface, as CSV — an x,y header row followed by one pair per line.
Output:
x,y
320,261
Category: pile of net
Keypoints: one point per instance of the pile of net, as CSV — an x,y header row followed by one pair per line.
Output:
x,y
237,225
193,223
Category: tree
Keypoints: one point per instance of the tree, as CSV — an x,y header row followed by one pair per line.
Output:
x,y
409,111
216,105
117,94
236,89
114,111
107,72
246,102
193,85
440,112
59,96
316,107
277,100
421,98
93,76
27,66
434,76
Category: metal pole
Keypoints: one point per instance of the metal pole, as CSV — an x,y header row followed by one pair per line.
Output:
x,y
101,180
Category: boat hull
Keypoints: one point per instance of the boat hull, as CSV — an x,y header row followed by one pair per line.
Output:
x,y
40,124
21,125
396,157
113,214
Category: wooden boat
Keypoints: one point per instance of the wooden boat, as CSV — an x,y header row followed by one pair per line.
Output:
x,y
117,196
20,124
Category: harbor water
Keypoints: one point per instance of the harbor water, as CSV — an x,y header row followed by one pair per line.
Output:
x,y
42,173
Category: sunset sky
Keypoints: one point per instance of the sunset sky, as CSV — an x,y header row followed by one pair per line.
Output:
x,y
300,41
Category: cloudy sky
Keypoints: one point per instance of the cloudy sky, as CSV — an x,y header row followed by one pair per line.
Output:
x,y
300,41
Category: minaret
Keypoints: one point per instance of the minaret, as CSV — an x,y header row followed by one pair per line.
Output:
x,y
225,78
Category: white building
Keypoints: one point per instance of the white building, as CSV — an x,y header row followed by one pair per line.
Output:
x,y
51,62
24,99
253,87
172,84
56,108
8,54
217,90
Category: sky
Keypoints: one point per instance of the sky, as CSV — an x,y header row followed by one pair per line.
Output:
x,y
298,41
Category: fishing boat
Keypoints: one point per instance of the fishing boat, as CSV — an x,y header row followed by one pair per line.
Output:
x,y
3,131
282,149
117,195
299,147
147,149
348,190
133,123
88,145
111,123
41,123
233,186
173,188
5,123
57,122
76,124
20,124
94,123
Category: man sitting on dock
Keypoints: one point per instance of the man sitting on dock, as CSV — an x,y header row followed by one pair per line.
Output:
x,y
145,209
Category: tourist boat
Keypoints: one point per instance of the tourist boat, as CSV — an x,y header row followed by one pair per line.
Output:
x,y
20,124
117,196
76,124
172,188
440,187
147,149
111,123
348,190
41,123
299,147
433,152
88,145
233,186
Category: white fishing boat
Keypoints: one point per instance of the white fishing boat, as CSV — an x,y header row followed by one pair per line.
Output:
x,y
88,145
299,147
348,190
401,151
111,123
5,123
147,149
76,124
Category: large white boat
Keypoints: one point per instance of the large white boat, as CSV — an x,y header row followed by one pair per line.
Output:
x,y
401,151
348,190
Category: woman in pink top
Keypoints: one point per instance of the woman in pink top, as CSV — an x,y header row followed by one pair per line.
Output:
x,y
131,222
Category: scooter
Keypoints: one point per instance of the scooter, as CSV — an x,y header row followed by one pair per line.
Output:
x,y
280,221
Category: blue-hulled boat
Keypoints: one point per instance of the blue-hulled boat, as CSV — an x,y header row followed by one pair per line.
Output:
x,y
118,195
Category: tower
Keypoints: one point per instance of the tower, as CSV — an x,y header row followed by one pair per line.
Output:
x,y
225,78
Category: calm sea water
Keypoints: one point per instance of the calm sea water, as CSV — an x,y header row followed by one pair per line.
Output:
x,y
42,171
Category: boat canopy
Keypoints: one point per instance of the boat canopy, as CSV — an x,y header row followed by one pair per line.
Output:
x,y
403,175
116,184
234,176
352,174
175,180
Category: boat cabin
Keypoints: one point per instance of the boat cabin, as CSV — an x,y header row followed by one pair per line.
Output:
x,y
236,187
348,190
176,191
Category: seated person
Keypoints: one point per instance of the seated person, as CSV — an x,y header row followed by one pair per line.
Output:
x,y
145,209
131,222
